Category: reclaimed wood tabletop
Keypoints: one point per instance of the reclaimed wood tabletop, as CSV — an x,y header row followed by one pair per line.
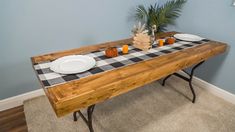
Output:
x,y
77,94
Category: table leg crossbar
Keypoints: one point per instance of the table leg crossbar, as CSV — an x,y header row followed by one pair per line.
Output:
x,y
87,120
188,79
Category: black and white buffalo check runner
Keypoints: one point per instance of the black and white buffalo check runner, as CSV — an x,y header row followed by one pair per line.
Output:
x,y
103,64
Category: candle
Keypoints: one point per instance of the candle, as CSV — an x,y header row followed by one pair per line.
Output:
x,y
160,42
125,49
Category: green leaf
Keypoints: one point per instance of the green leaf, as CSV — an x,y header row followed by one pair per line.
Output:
x,y
161,16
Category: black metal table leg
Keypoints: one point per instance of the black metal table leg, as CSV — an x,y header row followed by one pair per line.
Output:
x,y
186,79
87,120
164,80
75,116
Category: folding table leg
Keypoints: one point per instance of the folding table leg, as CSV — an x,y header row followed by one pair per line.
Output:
x,y
188,79
164,80
87,120
75,116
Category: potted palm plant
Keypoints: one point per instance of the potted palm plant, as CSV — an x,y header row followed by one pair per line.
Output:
x,y
158,16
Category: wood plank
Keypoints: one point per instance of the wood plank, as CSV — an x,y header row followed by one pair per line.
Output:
x,y
81,50
74,95
87,49
97,89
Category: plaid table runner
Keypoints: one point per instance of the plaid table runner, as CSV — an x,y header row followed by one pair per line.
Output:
x,y
50,78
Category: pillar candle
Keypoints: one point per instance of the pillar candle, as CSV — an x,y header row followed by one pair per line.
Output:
x,y
125,49
160,42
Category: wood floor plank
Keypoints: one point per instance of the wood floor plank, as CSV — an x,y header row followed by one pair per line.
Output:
x,y
13,120
19,129
22,128
11,117
18,121
10,111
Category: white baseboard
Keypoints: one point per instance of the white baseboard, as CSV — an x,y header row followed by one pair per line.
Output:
x,y
219,92
214,90
19,99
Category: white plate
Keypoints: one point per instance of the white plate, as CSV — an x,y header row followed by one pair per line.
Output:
x,y
72,64
188,37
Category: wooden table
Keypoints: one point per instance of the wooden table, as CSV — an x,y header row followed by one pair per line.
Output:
x,y
86,92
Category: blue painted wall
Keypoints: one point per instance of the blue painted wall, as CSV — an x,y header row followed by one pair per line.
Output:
x,y
213,19
32,27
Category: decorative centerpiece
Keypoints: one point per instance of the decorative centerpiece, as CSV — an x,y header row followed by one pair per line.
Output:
x,y
139,28
142,41
155,18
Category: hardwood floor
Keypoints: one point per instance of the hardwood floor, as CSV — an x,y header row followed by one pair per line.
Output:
x,y
13,120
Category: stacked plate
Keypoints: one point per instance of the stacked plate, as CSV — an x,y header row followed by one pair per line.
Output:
x,y
72,64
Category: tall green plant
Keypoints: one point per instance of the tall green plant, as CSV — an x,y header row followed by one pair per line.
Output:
x,y
161,16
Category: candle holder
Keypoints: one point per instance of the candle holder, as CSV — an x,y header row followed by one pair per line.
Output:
x,y
153,35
